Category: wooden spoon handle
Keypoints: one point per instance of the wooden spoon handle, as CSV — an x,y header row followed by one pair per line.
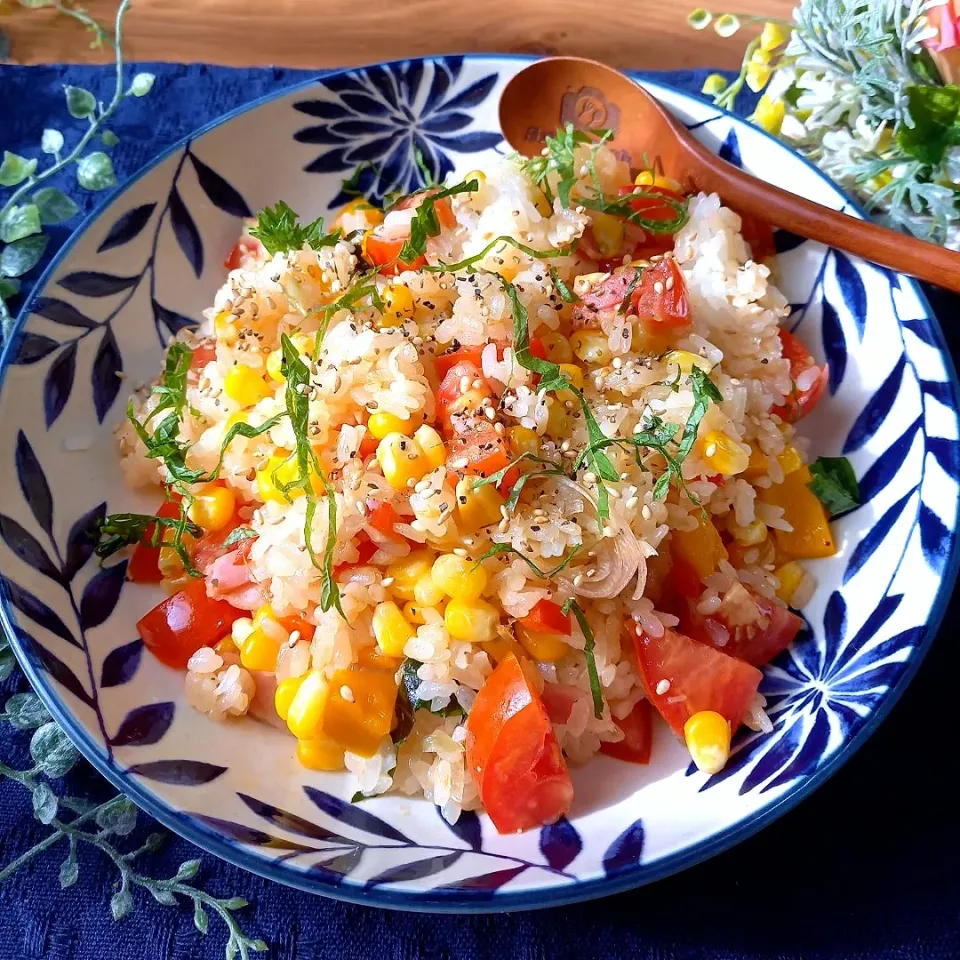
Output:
x,y
868,240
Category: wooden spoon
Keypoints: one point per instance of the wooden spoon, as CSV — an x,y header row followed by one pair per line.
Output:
x,y
558,90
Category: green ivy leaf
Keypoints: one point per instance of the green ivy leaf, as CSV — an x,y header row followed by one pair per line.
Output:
x,y
21,257
69,870
52,752
109,138
163,896
54,206
121,903
119,818
51,141
80,103
44,803
200,920
15,169
95,171
20,222
141,85
25,711
188,869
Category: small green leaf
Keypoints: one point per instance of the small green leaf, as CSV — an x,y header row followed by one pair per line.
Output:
x,y
52,752
699,19
141,85
25,711
935,113
120,817
54,206
51,141
44,803
188,869
109,138
726,25
69,870
835,484
95,171
15,169
121,903
80,103
21,257
20,222
200,920
163,896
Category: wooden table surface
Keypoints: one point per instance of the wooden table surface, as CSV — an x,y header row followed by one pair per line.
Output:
x,y
645,34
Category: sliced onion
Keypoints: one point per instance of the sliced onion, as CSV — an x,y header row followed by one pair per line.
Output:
x,y
618,557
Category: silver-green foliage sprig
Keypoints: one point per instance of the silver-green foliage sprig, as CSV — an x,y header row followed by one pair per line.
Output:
x,y
76,821
33,204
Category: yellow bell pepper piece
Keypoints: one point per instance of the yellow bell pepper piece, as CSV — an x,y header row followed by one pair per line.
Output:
x,y
701,548
359,711
811,536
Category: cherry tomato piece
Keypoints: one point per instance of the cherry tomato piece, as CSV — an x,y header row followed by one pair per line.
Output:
x,y
144,566
637,727
800,402
547,617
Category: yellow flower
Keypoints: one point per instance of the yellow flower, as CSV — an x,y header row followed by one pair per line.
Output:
x,y
769,114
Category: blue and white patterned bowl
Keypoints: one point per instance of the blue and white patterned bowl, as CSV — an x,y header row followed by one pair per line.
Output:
x,y
150,260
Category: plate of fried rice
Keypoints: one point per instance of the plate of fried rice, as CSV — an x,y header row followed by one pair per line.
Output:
x,y
423,525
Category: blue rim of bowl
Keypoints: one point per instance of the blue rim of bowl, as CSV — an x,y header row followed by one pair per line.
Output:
x,y
461,901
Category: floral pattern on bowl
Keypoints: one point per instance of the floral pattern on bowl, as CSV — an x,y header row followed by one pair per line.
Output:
x,y
146,265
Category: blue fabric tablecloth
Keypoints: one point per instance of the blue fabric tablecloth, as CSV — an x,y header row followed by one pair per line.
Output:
x,y
868,867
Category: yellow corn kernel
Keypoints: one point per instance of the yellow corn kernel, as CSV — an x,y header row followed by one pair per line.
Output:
x,y
380,424
686,361
608,232
558,416
245,386
226,329
391,628
591,347
284,694
226,645
573,373
264,612
275,365
320,754
543,647
359,710
557,347
213,507
715,84
708,739
407,571
306,709
790,575
773,36
459,578
646,178
477,175
431,445
501,647
413,612
398,305
769,113
522,440
278,472
701,548
789,459
749,536
722,454
259,651
810,537
402,460
758,74
426,593
472,620
478,507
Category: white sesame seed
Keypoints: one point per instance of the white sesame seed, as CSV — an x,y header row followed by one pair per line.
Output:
x,y
645,512
565,446
669,283
632,502
346,693
387,581
662,687
608,531
589,477
460,552
658,287
710,450
361,508
578,579
464,384
293,638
